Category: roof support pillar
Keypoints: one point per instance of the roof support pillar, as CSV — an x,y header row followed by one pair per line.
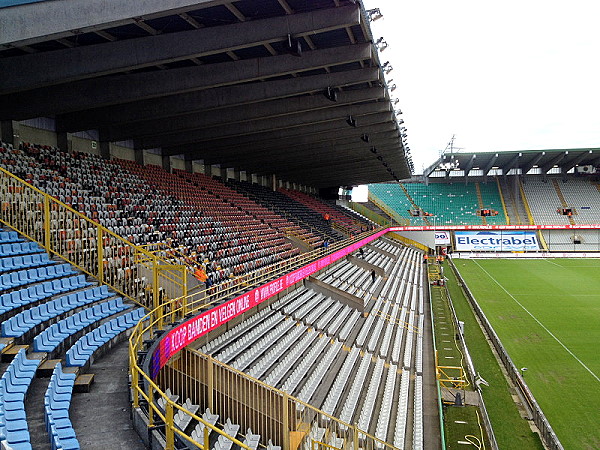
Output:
x,y
9,130
166,162
62,141
104,147
237,175
189,163
139,156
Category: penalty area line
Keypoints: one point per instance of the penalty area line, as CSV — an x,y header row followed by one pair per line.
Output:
x,y
540,324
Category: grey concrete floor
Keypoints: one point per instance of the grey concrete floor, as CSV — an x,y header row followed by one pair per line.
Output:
x,y
101,417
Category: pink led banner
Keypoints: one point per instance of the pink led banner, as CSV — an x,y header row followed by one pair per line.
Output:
x,y
190,330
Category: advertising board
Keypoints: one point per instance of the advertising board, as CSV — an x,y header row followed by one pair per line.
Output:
x,y
442,237
496,241
190,330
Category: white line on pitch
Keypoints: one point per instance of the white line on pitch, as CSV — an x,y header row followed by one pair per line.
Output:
x,y
540,324
552,262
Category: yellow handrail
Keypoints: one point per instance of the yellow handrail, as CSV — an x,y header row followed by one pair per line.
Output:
x,y
502,200
128,269
526,203
389,211
175,309
371,215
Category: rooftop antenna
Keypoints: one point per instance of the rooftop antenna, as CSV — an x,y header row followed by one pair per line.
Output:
x,y
450,149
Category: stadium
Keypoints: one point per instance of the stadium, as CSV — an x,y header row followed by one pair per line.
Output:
x,y
182,265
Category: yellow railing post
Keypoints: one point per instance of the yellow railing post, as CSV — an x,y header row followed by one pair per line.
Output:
x,y
47,223
170,445
156,302
184,311
206,441
525,203
100,253
210,382
150,403
286,421
134,380
355,436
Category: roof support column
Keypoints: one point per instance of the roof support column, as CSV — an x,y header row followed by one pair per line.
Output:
x,y
189,163
166,162
62,141
9,130
274,182
104,149
139,156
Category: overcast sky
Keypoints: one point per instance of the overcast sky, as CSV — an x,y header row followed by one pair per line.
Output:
x,y
510,75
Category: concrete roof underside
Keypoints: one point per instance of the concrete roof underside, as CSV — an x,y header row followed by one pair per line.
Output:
x,y
211,80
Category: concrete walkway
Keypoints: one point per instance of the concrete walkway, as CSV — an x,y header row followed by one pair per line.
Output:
x,y
101,417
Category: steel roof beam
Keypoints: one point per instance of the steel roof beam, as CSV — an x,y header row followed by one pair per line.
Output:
x,y
490,164
375,121
553,161
261,125
568,165
64,18
334,152
338,169
532,162
282,169
241,114
124,88
511,164
273,141
222,97
61,66
469,165
348,144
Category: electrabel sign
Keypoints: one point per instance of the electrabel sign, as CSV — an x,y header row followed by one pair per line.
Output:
x,y
503,241
190,330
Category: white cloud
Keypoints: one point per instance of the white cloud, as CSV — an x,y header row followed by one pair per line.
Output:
x,y
501,76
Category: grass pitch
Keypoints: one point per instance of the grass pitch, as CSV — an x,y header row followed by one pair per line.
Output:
x,y
547,315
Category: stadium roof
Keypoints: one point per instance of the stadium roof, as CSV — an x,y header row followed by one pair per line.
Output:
x,y
219,81
543,161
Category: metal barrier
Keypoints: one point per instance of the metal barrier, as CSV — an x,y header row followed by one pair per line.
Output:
x,y
130,270
471,371
371,215
192,377
546,432
439,390
253,404
389,211
504,210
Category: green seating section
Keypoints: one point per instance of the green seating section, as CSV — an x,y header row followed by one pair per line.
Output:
x,y
491,199
452,204
393,196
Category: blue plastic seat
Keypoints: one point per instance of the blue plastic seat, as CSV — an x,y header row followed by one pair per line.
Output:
x,y
9,236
